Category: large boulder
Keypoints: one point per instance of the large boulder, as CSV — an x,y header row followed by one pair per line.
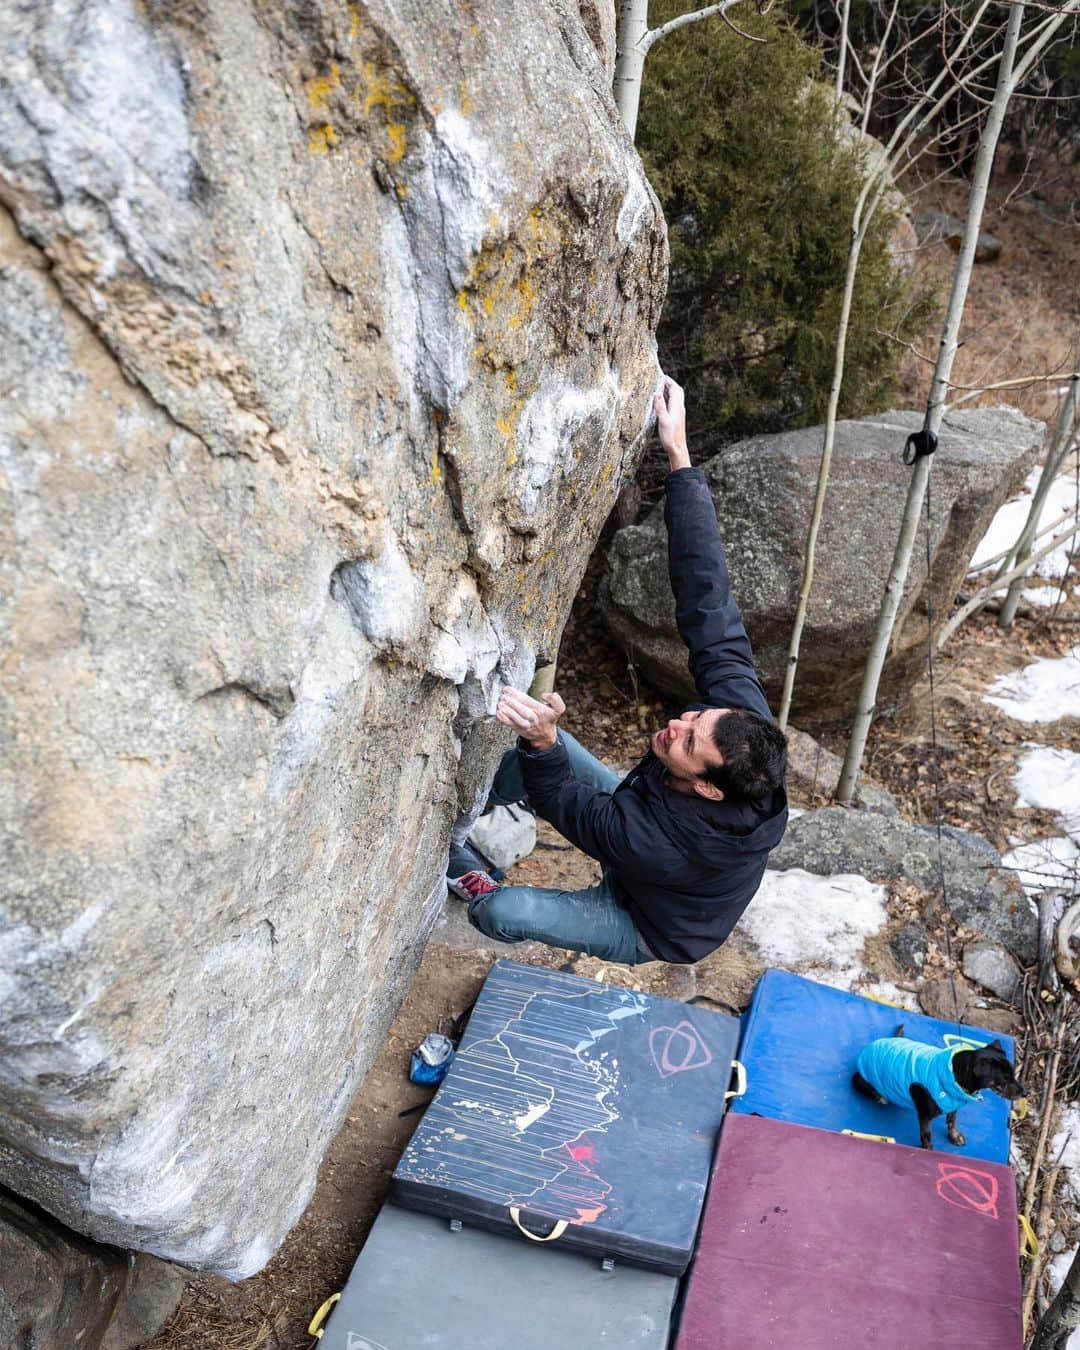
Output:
x,y
328,340
764,490
980,894
59,1290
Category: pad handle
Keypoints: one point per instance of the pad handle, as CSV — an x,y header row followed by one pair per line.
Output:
x,y
315,1327
876,1138
1029,1243
739,1090
557,1231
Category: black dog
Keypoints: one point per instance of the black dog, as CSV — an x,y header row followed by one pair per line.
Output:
x,y
903,1072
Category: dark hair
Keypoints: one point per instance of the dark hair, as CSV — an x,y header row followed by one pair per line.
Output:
x,y
755,755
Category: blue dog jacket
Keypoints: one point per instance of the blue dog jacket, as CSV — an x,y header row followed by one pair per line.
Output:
x,y
894,1063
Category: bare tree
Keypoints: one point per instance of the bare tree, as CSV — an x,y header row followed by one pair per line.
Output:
x,y
1062,1317
914,130
1015,64
1059,448
634,39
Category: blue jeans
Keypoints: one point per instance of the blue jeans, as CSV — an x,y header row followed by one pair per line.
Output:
x,y
592,920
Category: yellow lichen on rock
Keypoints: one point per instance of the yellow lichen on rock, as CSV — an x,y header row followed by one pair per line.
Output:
x,y
321,140
378,88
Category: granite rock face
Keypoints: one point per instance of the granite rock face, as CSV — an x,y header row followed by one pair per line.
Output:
x,y
59,1290
327,342
764,490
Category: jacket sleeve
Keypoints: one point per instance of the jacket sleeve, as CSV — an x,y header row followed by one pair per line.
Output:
x,y
721,661
590,818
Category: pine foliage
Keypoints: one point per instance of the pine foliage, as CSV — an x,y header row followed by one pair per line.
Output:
x,y
758,180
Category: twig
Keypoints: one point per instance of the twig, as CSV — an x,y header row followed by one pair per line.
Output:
x,y
1035,1269
1044,1119
1000,557
980,598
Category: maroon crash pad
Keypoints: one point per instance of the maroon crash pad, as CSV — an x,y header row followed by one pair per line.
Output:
x,y
825,1242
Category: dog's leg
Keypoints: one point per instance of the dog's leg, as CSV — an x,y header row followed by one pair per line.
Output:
x,y
859,1083
899,1030
955,1137
928,1112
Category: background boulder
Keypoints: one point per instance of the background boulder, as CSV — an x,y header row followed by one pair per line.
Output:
x,y
981,894
324,357
764,489
59,1290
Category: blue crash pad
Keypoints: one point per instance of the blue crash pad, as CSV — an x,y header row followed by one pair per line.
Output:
x,y
581,1104
799,1045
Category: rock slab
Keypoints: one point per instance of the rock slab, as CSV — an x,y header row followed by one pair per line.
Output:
x,y
59,1290
993,967
764,489
327,343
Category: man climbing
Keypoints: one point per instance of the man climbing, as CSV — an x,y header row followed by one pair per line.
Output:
x,y
684,838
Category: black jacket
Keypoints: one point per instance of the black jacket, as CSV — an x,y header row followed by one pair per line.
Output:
x,y
684,866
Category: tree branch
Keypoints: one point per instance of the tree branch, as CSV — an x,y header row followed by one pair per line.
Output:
x,y
656,34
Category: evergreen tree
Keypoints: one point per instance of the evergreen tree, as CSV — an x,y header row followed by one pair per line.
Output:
x,y
758,174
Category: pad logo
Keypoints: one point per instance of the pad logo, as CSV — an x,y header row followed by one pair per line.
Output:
x,y
678,1049
358,1342
968,1188
954,1042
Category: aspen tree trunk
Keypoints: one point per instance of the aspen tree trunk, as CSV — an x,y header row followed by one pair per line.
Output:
x,y
810,554
920,474
841,60
1062,1317
633,42
1059,447
631,48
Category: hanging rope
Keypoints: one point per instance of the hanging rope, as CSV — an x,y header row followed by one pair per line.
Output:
x,y
931,443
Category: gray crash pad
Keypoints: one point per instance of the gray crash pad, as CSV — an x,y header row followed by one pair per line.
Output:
x,y
416,1283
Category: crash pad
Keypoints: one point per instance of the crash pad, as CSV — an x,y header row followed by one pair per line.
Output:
x,y
577,1108
799,1045
814,1240
416,1283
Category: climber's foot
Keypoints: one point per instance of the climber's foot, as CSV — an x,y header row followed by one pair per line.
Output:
x,y
472,885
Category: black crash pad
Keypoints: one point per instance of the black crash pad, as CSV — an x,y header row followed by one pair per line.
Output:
x,y
581,1103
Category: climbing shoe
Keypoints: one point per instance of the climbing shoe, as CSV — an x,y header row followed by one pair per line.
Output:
x,y
472,885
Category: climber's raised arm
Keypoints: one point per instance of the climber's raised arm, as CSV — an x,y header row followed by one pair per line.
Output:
x,y
721,661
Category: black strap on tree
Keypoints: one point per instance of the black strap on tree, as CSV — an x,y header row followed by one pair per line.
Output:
x,y
919,443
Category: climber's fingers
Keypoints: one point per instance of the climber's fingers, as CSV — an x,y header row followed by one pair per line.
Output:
x,y
527,714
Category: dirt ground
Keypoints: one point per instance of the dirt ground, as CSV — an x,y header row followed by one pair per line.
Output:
x,y
1023,318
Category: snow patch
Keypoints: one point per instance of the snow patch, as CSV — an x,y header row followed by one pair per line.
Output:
x,y
1009,521
1045,691
1065,1146
1056,1272
1044,863
1050,779
801,921
1045,596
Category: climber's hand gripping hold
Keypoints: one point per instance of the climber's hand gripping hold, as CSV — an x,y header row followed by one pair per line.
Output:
x,y
535,721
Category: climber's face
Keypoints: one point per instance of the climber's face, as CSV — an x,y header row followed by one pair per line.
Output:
x,y
686,749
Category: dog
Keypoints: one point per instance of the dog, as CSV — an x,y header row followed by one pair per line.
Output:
x,y
906,1072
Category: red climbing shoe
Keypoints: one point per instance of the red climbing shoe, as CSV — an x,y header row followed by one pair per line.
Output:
x,y
472,885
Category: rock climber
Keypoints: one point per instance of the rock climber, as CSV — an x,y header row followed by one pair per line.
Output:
x,y
684,838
